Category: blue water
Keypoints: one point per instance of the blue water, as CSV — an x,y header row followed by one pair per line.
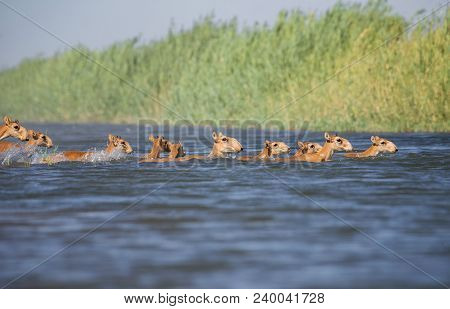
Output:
x,y
372,223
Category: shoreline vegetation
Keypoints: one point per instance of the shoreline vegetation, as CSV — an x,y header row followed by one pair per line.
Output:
x,y
220,70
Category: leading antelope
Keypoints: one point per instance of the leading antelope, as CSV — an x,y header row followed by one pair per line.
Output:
x,y
13,129
34,139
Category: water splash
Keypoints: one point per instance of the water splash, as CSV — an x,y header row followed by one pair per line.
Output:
x,y
33,155
101,156
92,156
20,154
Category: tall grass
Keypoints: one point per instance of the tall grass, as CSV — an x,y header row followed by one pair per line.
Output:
x,y
217,70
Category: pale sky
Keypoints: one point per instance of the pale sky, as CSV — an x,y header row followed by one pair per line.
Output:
x,y
98,24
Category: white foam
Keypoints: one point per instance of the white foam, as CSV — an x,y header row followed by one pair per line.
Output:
x,y
93,156
101,156
21,154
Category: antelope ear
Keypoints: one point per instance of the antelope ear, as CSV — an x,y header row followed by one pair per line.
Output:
x,y
215,136
373,139
7,120
110,137
267,144
327,136
300,145
151,138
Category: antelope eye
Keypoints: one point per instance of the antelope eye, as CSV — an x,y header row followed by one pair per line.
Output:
x,y
383,143
123,143
275,145
339,140
16,127
224,139
312,146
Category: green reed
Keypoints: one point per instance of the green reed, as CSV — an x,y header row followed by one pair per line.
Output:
x,y
219,70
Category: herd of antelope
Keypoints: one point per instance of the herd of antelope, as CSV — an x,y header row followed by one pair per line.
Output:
x,y
222,147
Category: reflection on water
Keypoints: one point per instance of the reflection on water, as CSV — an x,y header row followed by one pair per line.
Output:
x,y
225,223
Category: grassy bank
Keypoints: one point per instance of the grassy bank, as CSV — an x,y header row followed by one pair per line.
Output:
x,y
215,70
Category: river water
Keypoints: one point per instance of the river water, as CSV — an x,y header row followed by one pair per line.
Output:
x,y
371,223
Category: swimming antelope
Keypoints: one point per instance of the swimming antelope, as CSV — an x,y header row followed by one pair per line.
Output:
x,y
13,129
114,144
378,145
176,151
332,143
159,145
306,147
223,145
303,148
279,148
39,139
34,138
163,145
270,150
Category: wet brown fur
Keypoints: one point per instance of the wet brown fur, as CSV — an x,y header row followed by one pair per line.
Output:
x,y
379,145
